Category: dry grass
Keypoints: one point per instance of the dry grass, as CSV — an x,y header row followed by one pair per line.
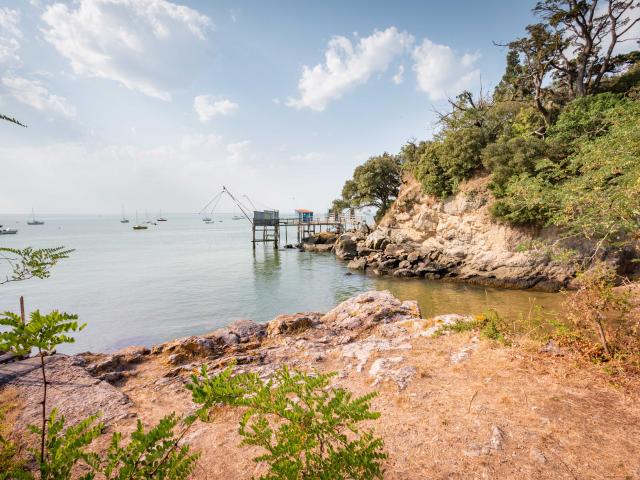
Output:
x,y
561,417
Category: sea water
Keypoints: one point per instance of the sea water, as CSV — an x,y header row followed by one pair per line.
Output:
x,y
185,277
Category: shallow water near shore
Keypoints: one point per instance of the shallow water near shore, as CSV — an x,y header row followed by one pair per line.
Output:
x,y
184,277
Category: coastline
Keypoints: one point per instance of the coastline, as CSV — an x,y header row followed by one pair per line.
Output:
x,y
453,404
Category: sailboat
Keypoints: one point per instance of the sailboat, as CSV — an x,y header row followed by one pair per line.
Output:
x,y
33,220
146,219
160,217
138,226
123,219
7,231
206,218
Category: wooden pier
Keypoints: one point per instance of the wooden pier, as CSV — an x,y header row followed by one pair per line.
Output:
x,y
266,225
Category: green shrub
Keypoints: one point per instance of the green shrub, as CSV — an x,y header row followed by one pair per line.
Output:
x,y
585,118
155,453
510,157
66,448
490,325
526,200
307,429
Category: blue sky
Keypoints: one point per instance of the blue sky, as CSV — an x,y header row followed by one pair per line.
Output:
x,y
157,103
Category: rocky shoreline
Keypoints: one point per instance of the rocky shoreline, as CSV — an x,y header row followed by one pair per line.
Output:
x,y
452,405
454,239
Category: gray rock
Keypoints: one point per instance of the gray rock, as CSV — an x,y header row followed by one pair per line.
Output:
x,y
358,263
393,250
346,247
388,264
247,330
376,240
404,273
287,324
364,251
414,257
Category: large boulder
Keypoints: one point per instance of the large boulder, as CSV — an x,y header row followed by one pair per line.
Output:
x,y
369,309
346,247
359,263
288,324
247,330
376,240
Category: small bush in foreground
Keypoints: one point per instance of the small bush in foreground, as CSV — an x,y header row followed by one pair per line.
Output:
x,y
307,429
490,325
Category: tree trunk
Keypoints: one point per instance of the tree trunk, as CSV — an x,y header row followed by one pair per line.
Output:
x,y
603,338
44,410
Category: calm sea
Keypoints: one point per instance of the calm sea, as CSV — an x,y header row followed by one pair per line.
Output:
x,y
185,277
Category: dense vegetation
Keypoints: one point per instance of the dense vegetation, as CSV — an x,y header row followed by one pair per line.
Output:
x,y
560,135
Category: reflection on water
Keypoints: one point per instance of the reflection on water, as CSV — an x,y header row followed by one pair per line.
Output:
x,y
439,297
185,277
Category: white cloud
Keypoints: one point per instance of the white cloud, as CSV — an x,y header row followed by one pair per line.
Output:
x,y
207,107
10,34
238,152
144,45
347,65
440,72
398,78
9,21
87,177
36,95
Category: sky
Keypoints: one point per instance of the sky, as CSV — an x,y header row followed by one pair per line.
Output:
x,y
155,104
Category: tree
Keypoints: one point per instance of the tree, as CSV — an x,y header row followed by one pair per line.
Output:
x,y
592,30
529,61
374,184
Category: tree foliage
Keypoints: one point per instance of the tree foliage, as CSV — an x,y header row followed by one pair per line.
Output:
x,y
155,454
42,332
590,30
307,429
31,262
374,184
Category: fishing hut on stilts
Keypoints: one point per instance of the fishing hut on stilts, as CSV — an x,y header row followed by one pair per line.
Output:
x,y
266,224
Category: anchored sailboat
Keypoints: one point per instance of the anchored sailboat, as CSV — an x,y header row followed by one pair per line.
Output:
x,y
160,217
7,231
33,220
124,219
139,226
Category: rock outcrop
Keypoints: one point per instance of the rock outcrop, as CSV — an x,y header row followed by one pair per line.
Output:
x,y
321,242
454,238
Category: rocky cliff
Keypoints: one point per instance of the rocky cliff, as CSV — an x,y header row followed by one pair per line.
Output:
x,y
454,238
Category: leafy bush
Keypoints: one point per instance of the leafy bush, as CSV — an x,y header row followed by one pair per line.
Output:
x,y
65,448
585,118
525,200
11,465
307,429
508,158
489,324
152,454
